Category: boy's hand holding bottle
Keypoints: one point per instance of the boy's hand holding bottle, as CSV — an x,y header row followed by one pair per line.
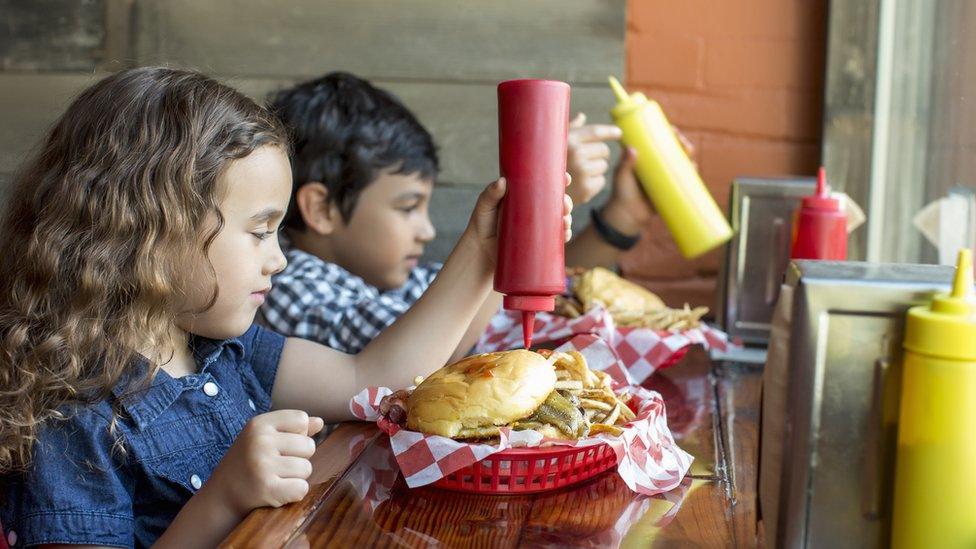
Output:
x,y
483,225
587,161
588,157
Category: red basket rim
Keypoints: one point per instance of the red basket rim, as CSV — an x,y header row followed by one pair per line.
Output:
x,y
556,449
524,476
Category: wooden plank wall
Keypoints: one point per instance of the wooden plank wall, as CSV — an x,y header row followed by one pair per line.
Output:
x,y
442,58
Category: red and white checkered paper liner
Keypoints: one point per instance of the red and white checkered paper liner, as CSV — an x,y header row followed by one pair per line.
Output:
x,y
641,350
648,459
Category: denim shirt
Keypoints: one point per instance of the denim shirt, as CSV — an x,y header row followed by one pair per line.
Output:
x,y
80,489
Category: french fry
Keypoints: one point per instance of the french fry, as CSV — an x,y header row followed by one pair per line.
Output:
x,y
593,393
597,428
604,397
576,367
589,378
569,384
611,418
663,318
588,403
626,413
606,382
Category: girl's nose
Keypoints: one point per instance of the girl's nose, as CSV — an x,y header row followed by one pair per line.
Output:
x,y
277,263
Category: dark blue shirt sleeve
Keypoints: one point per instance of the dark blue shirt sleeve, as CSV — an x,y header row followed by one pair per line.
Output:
x,y
77,489
262,350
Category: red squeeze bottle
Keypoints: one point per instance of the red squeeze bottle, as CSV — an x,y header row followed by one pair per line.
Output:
x,y
533,121
820,225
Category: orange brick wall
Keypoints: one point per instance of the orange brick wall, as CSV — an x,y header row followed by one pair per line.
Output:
x,y
743,79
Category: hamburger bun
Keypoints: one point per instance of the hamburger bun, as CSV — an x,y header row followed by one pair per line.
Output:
x,y
616,293
487,390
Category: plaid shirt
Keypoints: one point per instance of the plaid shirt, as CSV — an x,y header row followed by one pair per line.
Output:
x,y
317,300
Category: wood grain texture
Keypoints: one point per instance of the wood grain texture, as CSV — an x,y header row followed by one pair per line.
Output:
x,y
52,35
572,40
30,104
690,399
702,520
739,393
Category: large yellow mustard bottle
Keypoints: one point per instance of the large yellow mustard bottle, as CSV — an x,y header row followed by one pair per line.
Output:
x,y
668,176
935,469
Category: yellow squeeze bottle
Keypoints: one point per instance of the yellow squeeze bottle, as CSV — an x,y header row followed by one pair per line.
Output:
x,y
935,468
668,176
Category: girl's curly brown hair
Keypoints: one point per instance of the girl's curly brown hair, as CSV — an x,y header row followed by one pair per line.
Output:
x,y
99,228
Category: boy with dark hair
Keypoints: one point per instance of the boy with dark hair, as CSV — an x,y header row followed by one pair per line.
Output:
x,y
364,170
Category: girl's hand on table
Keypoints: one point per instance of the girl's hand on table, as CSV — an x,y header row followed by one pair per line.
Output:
x,y
268,464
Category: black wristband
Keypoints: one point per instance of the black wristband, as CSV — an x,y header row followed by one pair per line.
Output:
x,y
610,235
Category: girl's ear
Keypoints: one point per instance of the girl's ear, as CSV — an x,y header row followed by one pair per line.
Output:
x,y
319,215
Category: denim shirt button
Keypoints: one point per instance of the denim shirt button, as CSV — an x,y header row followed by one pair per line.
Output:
x,y
196,482
251,404
210,388
12,538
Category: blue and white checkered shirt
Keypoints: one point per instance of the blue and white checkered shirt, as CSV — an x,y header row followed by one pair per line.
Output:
x,y
317,300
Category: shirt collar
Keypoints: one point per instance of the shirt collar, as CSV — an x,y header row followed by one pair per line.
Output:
x,y
145,404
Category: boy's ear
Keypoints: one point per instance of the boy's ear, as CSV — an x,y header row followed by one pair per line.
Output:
x,y
319,215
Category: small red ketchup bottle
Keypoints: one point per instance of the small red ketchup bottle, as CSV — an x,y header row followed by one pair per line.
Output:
x,y
533,122
820,225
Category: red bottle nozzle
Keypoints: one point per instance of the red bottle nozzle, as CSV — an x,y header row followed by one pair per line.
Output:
x,y
528,327
821,198
823,189
529,305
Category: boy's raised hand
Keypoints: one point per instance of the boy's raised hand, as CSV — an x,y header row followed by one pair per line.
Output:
x,y
268,464
628,205
588,157
485,218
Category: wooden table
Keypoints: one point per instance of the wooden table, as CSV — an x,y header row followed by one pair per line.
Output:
x,y
713,409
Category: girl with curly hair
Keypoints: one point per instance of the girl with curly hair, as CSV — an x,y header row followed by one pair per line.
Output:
x,y
138,403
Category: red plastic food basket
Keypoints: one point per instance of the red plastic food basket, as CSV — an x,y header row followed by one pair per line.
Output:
x,y
674,359
530,470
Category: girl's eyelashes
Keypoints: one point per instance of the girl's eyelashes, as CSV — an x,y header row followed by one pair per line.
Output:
x,y
264,235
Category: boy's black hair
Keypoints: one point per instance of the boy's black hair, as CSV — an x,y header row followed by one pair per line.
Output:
x,y
344,132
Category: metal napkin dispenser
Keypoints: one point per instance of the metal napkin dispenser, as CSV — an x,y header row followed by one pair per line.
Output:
x,y
830,401
761,211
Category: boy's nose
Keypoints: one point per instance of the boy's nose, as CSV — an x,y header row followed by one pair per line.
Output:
x,y
427,231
